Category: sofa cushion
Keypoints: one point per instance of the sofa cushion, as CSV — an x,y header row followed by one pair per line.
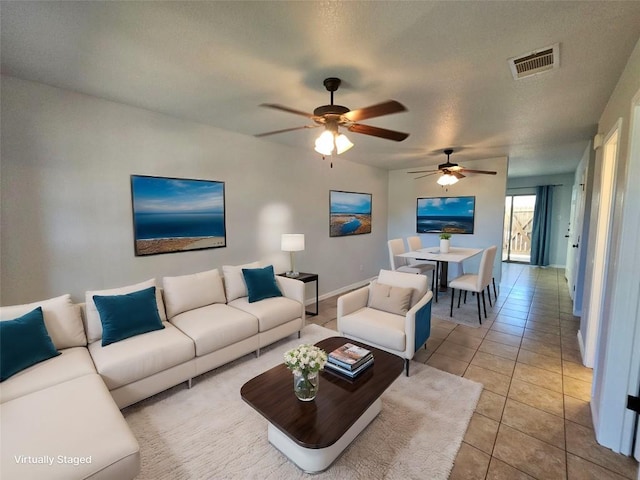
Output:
x,y
93,324
187,292
389,298
77,420
270,312
61,317
141,356
234,280
72,363
375,326
216,326
261,283
24,342
127,315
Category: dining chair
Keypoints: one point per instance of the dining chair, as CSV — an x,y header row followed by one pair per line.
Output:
x,y
476,283
400,264
415,244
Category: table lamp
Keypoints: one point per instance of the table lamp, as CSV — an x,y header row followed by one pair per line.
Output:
x,y
292,242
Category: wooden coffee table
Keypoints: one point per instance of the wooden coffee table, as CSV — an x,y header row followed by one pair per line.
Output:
x,y
313,434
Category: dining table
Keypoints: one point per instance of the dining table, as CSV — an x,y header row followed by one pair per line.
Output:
x,y
433,254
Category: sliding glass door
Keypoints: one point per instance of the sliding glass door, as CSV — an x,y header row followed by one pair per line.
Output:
x,y
518,221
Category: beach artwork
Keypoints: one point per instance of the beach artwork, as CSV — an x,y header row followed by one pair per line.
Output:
x,y
349,213
445,215
176,215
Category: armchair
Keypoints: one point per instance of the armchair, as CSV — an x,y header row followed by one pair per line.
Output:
x,y
392,313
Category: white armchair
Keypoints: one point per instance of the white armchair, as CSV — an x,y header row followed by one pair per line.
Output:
x,y
392,313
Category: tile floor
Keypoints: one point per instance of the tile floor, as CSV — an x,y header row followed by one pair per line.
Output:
x,y
533,419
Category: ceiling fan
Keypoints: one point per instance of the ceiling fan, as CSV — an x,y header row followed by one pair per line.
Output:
x,y
450,172
334,116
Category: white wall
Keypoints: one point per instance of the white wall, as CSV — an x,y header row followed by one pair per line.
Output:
x,y
489,191
561,207
66,202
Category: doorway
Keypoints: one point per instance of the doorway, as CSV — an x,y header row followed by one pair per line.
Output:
x,y
518,223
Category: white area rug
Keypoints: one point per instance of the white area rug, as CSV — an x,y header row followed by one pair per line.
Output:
x,y
208,432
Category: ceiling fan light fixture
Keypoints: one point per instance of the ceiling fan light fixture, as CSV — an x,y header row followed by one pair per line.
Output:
x,y
342,143
324,143
447,179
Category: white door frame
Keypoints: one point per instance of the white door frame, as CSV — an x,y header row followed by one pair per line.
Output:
x,y
617,373
599,285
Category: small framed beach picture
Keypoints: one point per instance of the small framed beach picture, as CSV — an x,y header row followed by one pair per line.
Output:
x,y
177,214
349,213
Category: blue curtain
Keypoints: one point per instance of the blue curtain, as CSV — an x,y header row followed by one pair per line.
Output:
x,y
541,233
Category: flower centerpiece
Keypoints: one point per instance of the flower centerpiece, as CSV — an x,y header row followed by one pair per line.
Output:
x,y
305,362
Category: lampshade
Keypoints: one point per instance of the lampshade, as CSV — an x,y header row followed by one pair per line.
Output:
x,y
292,242
447,179
328,140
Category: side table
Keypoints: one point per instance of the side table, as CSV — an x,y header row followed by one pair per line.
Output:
x,y
306,278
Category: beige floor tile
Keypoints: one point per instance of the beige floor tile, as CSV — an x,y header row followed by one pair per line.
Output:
x,y
553,364
570,341
541,348
498,470
505,338
464,339
543,328
492,381
482,432
552,321
530,455
543,337
443,324
499,349
439,332
571,355
509,312
518,322
537,423
493,362
470,464
333,325
479,332
581,442
537,397
456,351
538,376
506,328
447,364
581,469
578,411
577,388
491,404
578,371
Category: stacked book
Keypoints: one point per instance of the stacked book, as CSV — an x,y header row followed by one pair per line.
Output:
x,y
349,360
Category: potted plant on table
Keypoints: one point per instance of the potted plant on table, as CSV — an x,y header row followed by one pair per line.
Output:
x,y
444,242
305,362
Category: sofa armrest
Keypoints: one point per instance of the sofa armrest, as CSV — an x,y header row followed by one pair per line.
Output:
x,y
291,288
417,323
352,301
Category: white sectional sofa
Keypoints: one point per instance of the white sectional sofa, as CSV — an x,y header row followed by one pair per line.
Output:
x,y
60,418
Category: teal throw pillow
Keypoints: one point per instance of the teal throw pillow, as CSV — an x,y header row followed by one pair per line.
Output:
x,y
23,343
124,316
261,283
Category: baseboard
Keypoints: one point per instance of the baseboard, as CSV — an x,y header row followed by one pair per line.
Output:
x,y
348,288
581,345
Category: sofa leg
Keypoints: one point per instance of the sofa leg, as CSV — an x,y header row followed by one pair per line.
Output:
x,y
189,383
406,367
258,353
298,333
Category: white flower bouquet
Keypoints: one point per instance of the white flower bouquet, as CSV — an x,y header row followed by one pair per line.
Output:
x,y
305,360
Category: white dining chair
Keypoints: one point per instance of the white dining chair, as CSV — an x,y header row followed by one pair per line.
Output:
x,y
400,264
415,244
477,282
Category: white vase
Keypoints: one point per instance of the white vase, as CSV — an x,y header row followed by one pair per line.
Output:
x,y
444,245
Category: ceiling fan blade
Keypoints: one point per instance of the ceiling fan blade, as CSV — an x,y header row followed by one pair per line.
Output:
x,y
288,110
424,171
458,175
384,108
377,132
427,175
487,172
285,130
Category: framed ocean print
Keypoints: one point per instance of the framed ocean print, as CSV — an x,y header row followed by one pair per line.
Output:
x,y
177,214
349,213
445,215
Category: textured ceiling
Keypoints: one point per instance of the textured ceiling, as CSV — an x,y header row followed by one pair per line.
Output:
x,y
215,62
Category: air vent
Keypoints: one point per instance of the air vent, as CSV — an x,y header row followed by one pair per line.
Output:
x,y
536,62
